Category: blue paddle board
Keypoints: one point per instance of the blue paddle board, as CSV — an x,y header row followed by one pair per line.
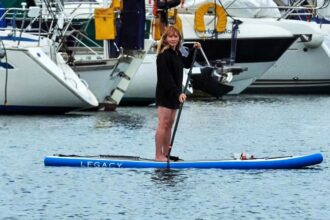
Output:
x,y
109,161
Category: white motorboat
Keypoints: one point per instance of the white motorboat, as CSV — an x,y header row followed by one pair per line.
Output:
x,y
304,67
260,43
301,70
32,82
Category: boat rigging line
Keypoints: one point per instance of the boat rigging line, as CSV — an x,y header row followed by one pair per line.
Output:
x,y
58,31
235,27
224,8
3,54
22,27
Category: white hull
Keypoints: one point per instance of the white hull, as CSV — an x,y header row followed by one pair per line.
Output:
x,y
260,43
245,79
301,70
99,77
109,79
143,87
33,83
252,34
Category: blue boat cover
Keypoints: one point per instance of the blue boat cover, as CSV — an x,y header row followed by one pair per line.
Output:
x,y
132,27
3,20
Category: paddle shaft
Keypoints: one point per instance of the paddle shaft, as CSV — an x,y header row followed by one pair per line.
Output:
x,y
180,109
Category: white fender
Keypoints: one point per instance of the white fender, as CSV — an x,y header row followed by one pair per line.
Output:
x,y
316,41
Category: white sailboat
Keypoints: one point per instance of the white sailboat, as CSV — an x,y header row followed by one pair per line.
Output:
x,y
32,82
304,67
108,77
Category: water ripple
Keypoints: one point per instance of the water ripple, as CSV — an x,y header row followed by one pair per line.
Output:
x,y
260,125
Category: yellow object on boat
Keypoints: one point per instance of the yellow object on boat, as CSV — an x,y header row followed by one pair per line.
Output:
x,y
158,27
116,5
177,20
220,13
105,28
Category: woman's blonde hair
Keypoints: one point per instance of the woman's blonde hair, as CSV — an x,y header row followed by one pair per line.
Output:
x,y
163,44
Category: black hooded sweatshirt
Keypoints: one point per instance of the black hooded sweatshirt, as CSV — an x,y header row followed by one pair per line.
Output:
x,y
170,66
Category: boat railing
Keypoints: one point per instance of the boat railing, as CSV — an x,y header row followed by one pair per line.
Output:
x,y
79,35
32,25
201,50
75,2
299,8
13,30
80,41
295,8
21,20
74,15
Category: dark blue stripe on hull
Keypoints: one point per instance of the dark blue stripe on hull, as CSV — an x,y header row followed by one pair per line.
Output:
x,y
137,101
289,87
15,38
6,65
131,33
248,50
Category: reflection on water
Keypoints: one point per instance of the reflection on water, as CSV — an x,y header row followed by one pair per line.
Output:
x,y
251,99
113,119
168,177
261,125
241,98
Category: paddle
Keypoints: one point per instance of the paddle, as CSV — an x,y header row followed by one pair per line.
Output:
x,y
180,109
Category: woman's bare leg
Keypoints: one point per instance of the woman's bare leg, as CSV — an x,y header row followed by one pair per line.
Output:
x,y
163,133
168,134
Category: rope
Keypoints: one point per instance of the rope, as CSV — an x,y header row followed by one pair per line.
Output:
x,y
6,77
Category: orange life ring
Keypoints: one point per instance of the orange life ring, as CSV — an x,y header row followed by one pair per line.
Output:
x,y
202,10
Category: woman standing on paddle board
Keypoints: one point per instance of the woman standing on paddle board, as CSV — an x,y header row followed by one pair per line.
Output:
x,y
169,95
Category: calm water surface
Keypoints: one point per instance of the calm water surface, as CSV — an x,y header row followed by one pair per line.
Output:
x,y
260,125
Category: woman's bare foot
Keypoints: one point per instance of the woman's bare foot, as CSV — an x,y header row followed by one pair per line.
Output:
x,y
161,159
